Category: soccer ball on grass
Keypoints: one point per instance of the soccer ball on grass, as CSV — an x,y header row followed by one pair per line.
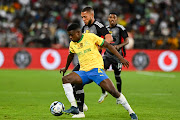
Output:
x,y
56,108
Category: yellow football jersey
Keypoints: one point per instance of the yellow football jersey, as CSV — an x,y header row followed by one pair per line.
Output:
x,y
87,51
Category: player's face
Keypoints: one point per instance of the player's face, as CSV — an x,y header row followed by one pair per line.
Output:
x,y
74,35
87,17
112,19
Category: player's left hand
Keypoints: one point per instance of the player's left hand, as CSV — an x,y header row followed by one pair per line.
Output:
x,y
117,47
63,70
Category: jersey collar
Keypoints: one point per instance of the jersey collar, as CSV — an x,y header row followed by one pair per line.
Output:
x,y
80,39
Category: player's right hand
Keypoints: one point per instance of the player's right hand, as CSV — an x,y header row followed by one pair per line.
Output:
x,y
63,70
125,63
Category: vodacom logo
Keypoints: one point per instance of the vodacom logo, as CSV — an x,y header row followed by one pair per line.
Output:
x,y
167,61
50,59
1,58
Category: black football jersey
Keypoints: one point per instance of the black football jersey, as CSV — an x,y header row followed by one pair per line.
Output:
x,y
119,34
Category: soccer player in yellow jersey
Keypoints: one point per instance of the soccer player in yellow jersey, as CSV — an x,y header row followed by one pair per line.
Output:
x,y
91,66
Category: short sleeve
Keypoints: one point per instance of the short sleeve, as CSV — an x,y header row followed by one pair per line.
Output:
x,y
123,32
98,40
71,50
101,29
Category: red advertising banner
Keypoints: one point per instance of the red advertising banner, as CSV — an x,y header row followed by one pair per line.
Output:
x,y
153,60
50,59
33,58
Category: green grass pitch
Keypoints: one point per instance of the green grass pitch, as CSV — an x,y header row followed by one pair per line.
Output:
x,y
27,95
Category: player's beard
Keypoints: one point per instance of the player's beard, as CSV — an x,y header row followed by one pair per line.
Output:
x,y
89,23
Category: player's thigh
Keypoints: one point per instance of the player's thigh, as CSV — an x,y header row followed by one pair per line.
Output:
x,y
84,77
107,84
97,75
72,78
117,66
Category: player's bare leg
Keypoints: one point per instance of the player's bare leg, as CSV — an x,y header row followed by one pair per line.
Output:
x,y
108,86
120,99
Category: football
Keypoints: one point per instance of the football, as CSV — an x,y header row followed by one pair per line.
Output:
x,y
56,108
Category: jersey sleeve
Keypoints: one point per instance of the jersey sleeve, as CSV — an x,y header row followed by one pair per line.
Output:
x,y
71,50
101,29
98,40
123,32
104,31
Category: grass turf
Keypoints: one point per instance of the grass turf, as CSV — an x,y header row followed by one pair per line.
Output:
x,y
27,95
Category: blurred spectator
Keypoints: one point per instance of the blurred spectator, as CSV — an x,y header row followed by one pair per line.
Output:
x,y
131,41
154,24
173,43
61,38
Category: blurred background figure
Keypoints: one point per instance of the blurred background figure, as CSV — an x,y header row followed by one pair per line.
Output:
x,y
153,24
61,38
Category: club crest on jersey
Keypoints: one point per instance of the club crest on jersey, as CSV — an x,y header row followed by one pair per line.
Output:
x,y
115,32
80,45
86,44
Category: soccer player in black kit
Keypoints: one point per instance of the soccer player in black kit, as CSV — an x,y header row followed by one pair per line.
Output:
x,y
120,39
91,26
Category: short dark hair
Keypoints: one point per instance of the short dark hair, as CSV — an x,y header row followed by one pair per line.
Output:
x,y
87,9
73,26
113,13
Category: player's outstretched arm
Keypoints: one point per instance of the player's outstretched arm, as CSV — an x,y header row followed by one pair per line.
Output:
x,y
69,60
126,41
115,52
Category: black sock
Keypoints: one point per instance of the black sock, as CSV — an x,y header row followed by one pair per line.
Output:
x,y
118,80
79,96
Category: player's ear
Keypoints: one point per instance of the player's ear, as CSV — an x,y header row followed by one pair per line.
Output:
x,y
92,15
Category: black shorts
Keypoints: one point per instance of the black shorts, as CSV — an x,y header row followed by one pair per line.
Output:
x,y
116,65
77,67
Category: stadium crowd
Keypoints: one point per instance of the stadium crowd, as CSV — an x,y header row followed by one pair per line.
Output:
x,y
152,24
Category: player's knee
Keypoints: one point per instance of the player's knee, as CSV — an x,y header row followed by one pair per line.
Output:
x,y
65,80
117,73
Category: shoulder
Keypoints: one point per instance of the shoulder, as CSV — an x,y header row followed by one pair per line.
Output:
x,y
121,27
97,23
71,44
89,34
